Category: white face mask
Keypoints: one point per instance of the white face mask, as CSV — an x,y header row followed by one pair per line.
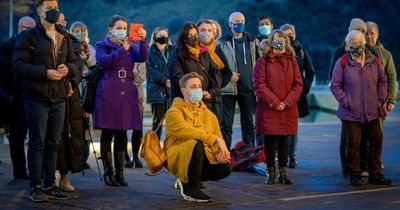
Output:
x,y
206,37
120,34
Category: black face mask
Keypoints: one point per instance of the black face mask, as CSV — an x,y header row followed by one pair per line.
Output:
x,y
192,41
162,39
292,39
357,51
52,16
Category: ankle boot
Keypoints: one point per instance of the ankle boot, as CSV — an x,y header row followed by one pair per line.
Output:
x,y
283,178
128,162
109,178
119,158
270,175
65,184
355,179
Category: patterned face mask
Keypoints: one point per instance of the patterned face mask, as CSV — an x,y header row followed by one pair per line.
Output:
x,y
357,50
278,45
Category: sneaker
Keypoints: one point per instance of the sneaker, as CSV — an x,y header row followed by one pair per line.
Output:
x,y
137,162
356,180
38,195
364,174
57,194
191,194
202,186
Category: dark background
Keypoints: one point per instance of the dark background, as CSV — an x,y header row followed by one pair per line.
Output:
x,y
321,25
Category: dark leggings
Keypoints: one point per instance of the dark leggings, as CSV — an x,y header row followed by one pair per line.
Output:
x,y
119,140
135,141
200,169
283,147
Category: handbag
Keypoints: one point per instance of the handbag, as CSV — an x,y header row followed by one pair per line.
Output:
x,y
153,154
91,79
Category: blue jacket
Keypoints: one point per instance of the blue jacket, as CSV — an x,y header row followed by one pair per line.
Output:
x,y
157,74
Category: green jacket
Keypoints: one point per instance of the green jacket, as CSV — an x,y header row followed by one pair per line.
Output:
x,y
388,65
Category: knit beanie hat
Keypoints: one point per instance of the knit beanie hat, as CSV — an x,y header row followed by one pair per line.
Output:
x,y
357,24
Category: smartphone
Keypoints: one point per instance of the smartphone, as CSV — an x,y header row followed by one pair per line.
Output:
x,y
133,31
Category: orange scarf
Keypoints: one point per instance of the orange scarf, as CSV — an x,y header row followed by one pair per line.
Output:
x,y
211,50
195,51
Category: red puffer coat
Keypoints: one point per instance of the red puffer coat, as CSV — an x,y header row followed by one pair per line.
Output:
x,y
277,79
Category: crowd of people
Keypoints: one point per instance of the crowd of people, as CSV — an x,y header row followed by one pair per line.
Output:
x,y
194,83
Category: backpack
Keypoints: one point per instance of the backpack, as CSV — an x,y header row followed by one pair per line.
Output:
x,y
153,154
89,85
244,156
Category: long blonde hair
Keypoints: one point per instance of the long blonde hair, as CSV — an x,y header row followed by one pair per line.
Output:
x,y
83,29
154,35
266,44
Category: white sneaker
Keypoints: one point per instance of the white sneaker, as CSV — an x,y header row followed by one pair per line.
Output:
x,y
57,175
364,174
5,139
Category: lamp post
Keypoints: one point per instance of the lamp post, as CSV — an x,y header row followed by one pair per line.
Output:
x,y
10,33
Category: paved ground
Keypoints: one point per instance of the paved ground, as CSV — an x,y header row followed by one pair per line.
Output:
x,y
318,181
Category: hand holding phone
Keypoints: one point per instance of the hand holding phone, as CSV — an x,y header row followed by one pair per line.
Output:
x,y
136,32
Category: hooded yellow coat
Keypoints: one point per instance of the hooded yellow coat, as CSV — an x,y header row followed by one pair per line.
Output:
x,y
184,124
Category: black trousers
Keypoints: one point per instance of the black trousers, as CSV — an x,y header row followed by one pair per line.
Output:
x,y
135,141
200,169
269,147
18,131
158,111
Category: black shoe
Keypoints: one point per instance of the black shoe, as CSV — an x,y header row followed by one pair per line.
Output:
x,y
22,176
38,195
356,180
138,162
283,177
129,164
379,180
192,194
56,193
292,163
109,180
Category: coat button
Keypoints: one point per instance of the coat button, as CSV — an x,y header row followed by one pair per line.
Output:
x,y
122,92
122,80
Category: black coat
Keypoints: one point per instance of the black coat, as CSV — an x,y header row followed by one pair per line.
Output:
x,y
307,72
70,149
33,56
7,86
157,74
205,67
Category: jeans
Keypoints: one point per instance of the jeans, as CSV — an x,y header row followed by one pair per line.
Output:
x,y
247,106
45,121
353,136
200,169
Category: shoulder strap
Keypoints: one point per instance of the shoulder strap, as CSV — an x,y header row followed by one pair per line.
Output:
x,y
343,61
161,122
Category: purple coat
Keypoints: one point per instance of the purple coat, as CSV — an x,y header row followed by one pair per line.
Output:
x,y
359,90
116,103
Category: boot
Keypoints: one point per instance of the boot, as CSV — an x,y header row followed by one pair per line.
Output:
x,y
119,158
109,178
283,178
65,184
136,160
355,179
270,175
378,180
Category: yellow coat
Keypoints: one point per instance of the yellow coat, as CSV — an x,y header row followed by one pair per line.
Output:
x,y
184,124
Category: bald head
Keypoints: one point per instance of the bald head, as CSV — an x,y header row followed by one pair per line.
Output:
x,y
26,23
236,23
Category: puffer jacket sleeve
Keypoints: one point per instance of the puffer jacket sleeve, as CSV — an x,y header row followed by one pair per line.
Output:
x,y
297,86
22,59
263,92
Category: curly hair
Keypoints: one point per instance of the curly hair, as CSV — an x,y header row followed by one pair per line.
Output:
x,y
266,44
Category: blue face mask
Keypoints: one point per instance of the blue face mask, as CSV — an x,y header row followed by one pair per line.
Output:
x,y
265,30
196,95
238,27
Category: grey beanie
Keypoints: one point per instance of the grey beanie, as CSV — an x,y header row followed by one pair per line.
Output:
x,y
357,24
